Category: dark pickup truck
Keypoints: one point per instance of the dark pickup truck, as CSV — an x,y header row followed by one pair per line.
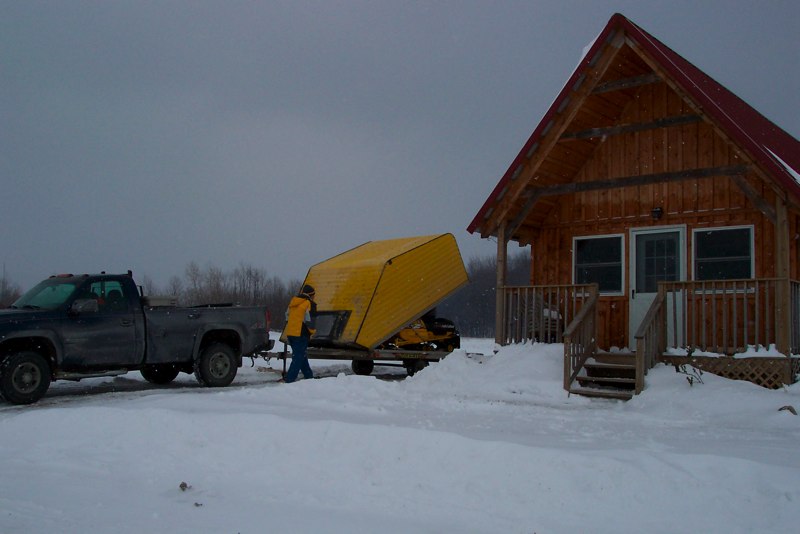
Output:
x,y
72,327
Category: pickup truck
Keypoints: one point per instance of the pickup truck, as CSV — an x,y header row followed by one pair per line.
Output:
x,y
72,327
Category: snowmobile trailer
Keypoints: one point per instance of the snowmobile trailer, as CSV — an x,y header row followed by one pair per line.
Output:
x,y
377,302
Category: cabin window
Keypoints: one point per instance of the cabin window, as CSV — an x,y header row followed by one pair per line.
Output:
x,y
598,260
723,253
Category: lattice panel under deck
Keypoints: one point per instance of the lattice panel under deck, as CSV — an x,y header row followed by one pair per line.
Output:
x,y
770,373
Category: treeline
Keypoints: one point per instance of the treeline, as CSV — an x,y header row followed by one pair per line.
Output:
x,y
246,285
471,309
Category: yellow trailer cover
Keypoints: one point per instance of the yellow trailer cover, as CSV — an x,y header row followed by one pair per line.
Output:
x,y
367,294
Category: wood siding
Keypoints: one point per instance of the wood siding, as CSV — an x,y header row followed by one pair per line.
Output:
x,y
710,202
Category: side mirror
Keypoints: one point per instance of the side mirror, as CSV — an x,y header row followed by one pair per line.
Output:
x,y
85,306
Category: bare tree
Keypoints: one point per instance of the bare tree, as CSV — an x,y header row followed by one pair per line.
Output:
x,y
9,291
249,284
175,288
194,282
149,286
245,285
216,285
280,295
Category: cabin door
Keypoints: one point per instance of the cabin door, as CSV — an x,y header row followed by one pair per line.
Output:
x,y
657,254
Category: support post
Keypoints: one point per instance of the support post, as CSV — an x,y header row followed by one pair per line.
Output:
x,y
783,310
500,284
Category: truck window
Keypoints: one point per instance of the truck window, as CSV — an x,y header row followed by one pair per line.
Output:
x,y
47,295
110,295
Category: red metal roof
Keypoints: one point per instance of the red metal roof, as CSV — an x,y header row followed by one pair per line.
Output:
x,y
756,134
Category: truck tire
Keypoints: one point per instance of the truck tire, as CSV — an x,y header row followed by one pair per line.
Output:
x,y
163,373
24,377
216,366
363,367
412,366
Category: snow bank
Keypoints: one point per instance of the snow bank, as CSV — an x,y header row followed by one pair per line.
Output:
x,y
471,444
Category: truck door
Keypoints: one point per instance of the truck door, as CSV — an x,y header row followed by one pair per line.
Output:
x,y
106,337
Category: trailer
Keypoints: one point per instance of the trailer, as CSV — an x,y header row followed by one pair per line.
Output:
x,y
376,303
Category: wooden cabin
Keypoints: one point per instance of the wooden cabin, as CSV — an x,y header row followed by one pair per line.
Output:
x,y
662,213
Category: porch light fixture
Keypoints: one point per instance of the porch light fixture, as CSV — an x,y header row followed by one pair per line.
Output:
x,y
657,213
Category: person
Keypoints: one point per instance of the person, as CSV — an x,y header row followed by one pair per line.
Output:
x,y
299,329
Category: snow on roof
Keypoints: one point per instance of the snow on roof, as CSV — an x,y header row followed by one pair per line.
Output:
x,y
794,173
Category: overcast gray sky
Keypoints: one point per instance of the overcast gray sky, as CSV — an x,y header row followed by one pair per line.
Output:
x,y
144,135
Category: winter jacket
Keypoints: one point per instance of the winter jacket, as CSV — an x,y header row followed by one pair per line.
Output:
x,y
299,316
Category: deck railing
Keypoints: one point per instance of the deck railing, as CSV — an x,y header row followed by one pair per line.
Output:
x,y
728,316
540,313
580,338
794,292
719,316
651,339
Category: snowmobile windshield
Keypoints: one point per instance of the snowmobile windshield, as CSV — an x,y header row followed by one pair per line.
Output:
x,y
330,325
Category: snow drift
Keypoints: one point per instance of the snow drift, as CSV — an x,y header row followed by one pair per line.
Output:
x,y
486,443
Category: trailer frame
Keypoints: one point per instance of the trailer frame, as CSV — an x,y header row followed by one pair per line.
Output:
x,y
412,360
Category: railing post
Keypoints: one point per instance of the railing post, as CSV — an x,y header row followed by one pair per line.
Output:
x,y
641,354
651,336
793,302
661,339
500,311
567,361
580,336
782,271
595,295
783,317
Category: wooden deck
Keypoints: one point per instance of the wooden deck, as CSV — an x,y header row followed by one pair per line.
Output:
x,y
719,327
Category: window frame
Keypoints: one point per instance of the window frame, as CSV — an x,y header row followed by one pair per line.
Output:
x,y
752,244
621,238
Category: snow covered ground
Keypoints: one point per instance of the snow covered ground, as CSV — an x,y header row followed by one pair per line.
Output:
x,y
472,444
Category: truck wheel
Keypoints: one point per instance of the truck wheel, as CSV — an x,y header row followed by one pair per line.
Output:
x,y
363,367
160,374
216,366
412,366
24,377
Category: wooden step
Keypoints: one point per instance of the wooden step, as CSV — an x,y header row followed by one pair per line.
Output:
x,y
607,379
611,366
612,382
609,372
613,358
602,393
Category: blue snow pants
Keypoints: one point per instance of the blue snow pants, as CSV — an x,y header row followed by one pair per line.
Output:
x,y
299,363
